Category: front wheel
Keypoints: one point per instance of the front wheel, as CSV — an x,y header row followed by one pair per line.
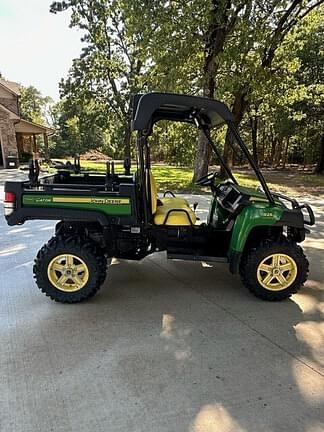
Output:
x,y
70,269
274,270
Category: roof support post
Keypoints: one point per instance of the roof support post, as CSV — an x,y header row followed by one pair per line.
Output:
x,y
47,155
34,144
141,141
20,144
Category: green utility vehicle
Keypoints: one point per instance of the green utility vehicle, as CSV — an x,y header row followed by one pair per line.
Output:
x,y
121,215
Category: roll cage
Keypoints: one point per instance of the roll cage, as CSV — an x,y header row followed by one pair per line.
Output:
x,y
205,113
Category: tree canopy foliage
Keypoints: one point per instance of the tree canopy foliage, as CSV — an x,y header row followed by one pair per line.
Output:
x,y
34,106
265,59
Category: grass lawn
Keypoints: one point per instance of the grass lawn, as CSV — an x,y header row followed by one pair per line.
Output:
x,y
180,178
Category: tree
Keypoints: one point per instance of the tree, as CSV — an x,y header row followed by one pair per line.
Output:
x,y
33,105
276,20
233,43
222,19
80,127
225,49
113,62
289,100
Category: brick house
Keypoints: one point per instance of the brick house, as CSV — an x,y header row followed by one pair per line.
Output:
x,y
17,136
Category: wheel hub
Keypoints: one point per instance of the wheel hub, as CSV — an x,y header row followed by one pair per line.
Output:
x,y
68,273
277,272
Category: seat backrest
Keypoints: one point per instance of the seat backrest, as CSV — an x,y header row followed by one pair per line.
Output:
x,y
154,193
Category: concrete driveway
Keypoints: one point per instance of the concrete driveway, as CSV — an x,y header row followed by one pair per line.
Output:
x,y
164,347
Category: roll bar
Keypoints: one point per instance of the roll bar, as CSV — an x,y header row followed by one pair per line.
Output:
x,y
204,112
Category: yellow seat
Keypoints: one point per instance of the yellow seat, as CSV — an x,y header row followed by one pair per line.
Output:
x,y
174,201
172,210
174,213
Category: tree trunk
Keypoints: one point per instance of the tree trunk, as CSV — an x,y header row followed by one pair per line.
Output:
x,y
273,147
278,153
203,149
202,157
215,38
46,148
273,151
254,137
284,160
239,107
263,148
320,164
127,141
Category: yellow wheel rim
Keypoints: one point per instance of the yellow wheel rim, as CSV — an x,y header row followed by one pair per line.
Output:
x,y
277,272
68,273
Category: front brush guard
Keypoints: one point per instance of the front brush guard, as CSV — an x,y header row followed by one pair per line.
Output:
x,y
310,212
296,206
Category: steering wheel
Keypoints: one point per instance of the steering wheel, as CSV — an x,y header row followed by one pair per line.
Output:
x,y
207,180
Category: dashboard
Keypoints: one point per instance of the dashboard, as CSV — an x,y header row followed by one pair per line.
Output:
x,y
231,196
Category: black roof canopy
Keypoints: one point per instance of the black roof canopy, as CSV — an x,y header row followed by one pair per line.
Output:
x,y
149,108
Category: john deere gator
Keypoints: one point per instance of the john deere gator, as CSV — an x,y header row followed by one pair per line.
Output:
x,y
122,215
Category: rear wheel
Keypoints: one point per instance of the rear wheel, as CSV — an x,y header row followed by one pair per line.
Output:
x,y
70,269
274,270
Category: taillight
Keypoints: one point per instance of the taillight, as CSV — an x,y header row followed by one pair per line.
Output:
x,y
9,203
10,197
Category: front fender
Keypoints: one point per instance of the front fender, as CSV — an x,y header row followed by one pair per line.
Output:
x,y
256,216
251,217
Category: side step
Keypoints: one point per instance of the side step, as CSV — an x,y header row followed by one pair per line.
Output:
x,y
187,257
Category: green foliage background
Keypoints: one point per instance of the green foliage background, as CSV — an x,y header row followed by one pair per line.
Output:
x,y
269,56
